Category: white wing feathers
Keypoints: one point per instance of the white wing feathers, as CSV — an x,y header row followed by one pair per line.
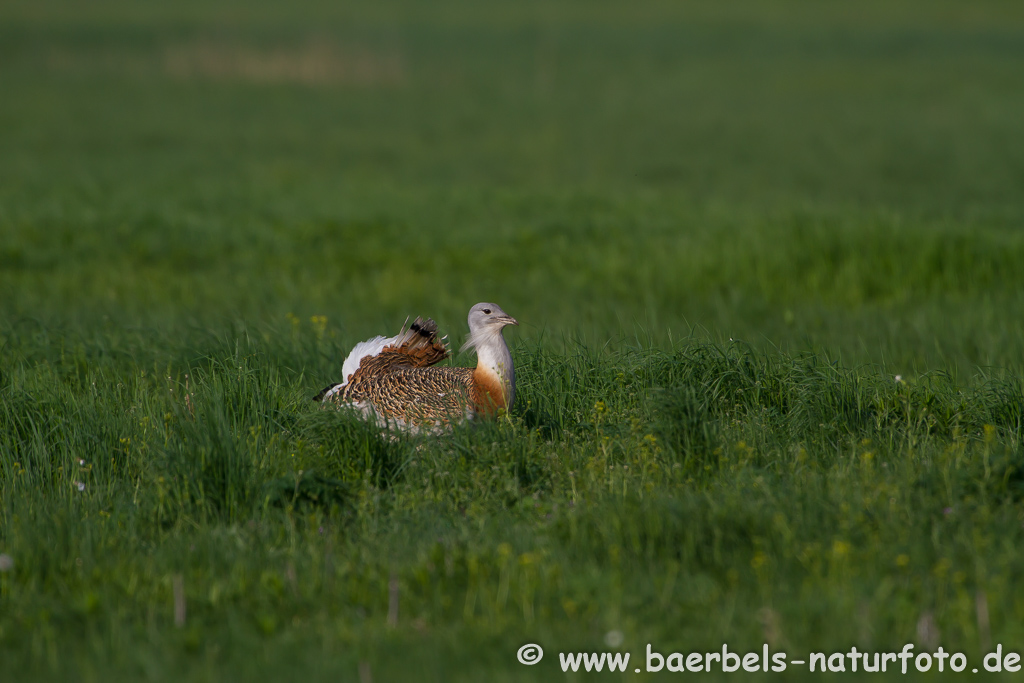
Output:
x,y
370,347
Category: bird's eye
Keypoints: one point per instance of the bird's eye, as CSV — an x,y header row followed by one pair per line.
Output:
x,y
487,311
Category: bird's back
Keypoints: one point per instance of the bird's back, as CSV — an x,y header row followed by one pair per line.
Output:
x,y
395,379
415,395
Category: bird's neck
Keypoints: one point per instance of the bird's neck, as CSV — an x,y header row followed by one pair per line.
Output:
x,y
494,375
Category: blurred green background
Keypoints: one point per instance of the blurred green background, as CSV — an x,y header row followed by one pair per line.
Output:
x,y
804,174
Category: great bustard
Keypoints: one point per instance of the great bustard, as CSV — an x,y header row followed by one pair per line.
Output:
x,y
394,379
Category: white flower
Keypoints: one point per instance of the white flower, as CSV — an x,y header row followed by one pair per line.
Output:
x,y
613,638
80,485
6,562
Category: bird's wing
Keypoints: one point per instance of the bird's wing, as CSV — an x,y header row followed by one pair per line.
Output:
x,y
416,395
416,347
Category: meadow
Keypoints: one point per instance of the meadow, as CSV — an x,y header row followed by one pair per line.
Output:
x,y
769,264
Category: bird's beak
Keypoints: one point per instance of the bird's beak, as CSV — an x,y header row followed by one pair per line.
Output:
x,y
506,320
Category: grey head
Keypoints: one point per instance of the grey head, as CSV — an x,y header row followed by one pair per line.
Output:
x,y
489,316
486,321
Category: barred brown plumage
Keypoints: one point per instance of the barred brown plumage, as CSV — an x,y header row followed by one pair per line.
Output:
x,y
394,381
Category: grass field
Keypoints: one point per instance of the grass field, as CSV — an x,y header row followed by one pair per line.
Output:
x,y
769,264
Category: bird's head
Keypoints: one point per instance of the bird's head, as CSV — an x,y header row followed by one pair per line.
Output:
x,y
485,320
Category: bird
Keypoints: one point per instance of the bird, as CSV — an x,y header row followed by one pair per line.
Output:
x,y
396,381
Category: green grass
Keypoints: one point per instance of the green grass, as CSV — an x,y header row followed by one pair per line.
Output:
x,y
768,261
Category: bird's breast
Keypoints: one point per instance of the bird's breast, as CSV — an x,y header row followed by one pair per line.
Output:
x,y
489,390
